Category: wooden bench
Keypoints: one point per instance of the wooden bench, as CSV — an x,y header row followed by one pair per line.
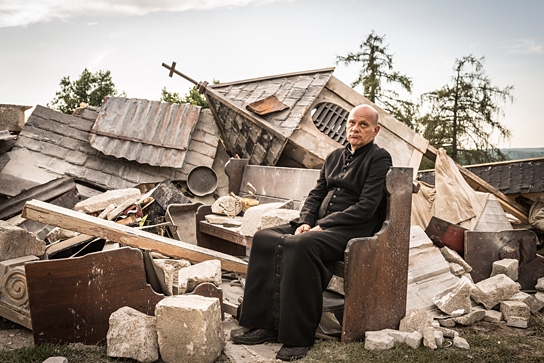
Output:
x,y
375,269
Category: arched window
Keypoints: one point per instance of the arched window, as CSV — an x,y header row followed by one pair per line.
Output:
x,y
331,120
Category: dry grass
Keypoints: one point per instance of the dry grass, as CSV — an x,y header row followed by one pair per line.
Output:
x,y
488,343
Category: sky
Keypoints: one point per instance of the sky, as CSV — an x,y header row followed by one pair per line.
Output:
x,y
42,41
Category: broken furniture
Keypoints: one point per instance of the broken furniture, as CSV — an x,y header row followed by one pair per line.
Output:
x,y
182,221
72,299
115,232
14,292
375,269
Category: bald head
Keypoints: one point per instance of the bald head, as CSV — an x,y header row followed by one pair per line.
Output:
x,y
365,111
362,126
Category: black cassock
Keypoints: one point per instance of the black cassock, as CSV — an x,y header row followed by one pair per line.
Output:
x,y
287,274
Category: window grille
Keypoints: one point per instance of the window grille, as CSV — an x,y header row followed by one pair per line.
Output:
x,y
331,120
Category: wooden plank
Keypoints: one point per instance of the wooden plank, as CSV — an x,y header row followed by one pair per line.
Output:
x,y
71,299
86,224
225,233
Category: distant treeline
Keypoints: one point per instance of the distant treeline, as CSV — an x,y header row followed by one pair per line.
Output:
x,y
523,153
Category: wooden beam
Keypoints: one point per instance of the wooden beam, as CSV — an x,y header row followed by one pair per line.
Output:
x,y
87,224
478,184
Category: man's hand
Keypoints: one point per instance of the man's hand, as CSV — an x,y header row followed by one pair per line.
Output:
x,y
306,228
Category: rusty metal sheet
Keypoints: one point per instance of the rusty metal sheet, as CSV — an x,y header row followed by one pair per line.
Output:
x,y
267,105
484,248
150,132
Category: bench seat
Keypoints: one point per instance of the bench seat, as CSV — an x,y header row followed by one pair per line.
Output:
x,y
374,270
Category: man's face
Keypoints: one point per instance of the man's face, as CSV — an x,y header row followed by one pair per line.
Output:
x,y
361,129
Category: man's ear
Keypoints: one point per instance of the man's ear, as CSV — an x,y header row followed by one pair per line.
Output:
x,y
376,130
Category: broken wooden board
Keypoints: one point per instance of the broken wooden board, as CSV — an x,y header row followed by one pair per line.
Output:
x,y
86,224
444,233
72,299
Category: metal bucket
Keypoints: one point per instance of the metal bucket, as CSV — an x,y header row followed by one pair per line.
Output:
x,y
202,180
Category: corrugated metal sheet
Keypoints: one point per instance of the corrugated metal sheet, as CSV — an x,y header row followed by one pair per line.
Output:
x,y
150,132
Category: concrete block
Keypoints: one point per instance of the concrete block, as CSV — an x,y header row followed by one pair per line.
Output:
x,y
517,322
457,269
399,336
470,318
101,201
251,221
491,291
132,334
507,266
415,320
530,299
447,323
455,298
515,308
190,277
438,338
56,360
378,340
16,242
167,272
278,217
448,333
492,316
452,256
539,297
414,339
460,343
540,284
429,340
189,329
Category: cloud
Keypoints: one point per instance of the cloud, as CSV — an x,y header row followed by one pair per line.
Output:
x,y
15,13
524,46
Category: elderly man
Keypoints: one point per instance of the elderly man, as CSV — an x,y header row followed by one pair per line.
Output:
x,y
291,265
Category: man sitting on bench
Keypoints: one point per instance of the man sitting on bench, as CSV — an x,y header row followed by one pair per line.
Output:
x,y
291,265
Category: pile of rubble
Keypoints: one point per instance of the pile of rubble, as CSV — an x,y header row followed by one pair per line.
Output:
x,y
496,300
98,242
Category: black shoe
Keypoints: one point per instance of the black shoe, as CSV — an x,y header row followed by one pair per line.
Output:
x,y
289,353
255,336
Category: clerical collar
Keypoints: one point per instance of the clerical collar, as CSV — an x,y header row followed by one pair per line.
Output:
x,y
359,150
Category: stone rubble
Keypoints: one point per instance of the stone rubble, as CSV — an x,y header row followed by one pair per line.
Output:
x,y
132,334
189,329
496,299
507,266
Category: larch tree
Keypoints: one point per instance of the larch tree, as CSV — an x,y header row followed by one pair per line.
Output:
x,y
462,116
376,73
